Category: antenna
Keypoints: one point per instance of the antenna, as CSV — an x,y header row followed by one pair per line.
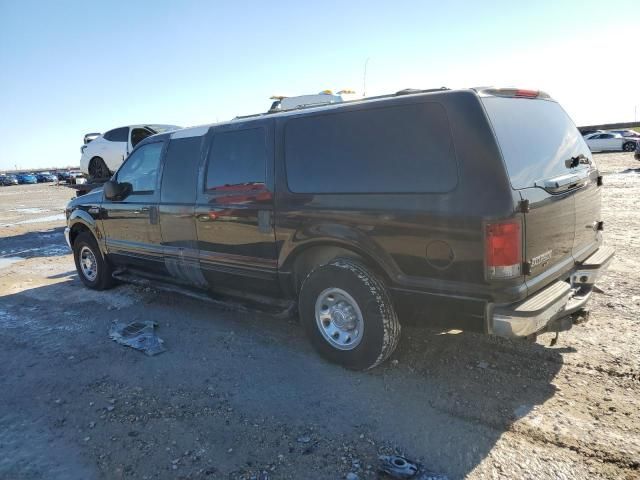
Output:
x,y
364,78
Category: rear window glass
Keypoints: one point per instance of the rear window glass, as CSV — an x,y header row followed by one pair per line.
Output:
x,y
536,138
396,149
180,173
117,135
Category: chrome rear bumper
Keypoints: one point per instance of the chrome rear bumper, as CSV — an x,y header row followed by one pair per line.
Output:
x,y
558,300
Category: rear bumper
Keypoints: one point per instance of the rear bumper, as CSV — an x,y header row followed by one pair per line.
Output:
x,y
556,301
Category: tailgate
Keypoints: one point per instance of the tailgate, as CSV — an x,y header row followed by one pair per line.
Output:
x,y
551,166
549,233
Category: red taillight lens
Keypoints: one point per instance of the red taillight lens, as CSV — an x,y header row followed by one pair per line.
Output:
x,y
503,249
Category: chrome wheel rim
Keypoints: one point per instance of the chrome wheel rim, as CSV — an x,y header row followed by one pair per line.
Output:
x,y
88,264
339,319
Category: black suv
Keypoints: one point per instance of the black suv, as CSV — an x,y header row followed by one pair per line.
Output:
x,y
470,209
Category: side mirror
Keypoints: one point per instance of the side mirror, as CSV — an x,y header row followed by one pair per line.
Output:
x,y
116,191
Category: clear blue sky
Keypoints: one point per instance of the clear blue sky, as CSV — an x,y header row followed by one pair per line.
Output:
x,y
68,68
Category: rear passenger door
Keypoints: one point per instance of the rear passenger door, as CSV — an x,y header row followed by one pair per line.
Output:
x,y
177,207
234,210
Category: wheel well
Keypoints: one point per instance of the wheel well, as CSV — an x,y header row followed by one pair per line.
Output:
x,y
76,230
311,257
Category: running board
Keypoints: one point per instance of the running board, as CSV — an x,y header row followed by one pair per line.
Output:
x,y
258,303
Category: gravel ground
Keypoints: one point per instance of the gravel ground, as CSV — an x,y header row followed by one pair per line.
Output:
x,y
241,394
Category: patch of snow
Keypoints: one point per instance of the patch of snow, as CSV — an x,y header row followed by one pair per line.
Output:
x,y
6,261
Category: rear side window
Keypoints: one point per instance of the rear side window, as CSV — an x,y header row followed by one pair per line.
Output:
x,y
237,158
180,172
117,135
397,149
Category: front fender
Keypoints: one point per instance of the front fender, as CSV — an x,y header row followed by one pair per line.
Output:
x,y
82,217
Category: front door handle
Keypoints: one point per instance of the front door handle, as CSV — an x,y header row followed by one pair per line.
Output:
x,y
141,210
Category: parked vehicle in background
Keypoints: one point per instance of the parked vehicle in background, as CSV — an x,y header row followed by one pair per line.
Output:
x,y
74,176
46,177
627,133
63,175
102,155
7,180
610,142
24,178
473,209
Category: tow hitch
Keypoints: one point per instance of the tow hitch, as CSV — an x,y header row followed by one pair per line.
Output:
x,y
559,325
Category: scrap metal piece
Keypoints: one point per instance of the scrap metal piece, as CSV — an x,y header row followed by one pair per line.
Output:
x,y
138,335
397,466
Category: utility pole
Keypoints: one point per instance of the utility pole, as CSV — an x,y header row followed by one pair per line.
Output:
x,y
364,78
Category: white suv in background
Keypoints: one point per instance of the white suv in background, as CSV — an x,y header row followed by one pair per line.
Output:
x,y
102,155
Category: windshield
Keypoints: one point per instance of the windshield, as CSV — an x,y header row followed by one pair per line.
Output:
x,y
536,138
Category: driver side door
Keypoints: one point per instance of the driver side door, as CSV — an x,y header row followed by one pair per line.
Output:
x,y
131,226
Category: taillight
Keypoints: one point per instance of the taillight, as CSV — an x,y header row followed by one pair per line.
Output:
x,y
503,250
526,93
514,93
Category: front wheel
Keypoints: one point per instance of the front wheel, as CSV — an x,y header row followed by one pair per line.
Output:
x,y
347,313
629,147
93,269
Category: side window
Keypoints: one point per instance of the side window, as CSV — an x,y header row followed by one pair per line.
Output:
x,y
117,135
237,159
397,149
595,137
141,169
606,135
139,134
180,172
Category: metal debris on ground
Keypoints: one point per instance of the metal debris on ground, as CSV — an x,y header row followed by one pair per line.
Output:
x,y
399,467
138,335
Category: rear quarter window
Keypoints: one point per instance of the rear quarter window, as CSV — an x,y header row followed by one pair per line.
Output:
x,y
398,149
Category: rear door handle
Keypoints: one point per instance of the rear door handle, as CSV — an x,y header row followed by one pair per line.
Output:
x,y
141,210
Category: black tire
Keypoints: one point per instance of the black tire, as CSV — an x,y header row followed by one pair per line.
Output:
x,y
98,170
629,147
381,329
103,271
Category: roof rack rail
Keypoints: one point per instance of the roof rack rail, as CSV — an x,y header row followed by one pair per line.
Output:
x,y
275,105
412,91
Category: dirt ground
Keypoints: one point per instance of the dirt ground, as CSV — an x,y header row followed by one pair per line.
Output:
x,y
242,395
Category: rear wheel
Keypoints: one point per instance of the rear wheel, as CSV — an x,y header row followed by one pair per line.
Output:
x,y
98,169
347,313
93,269
629,147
